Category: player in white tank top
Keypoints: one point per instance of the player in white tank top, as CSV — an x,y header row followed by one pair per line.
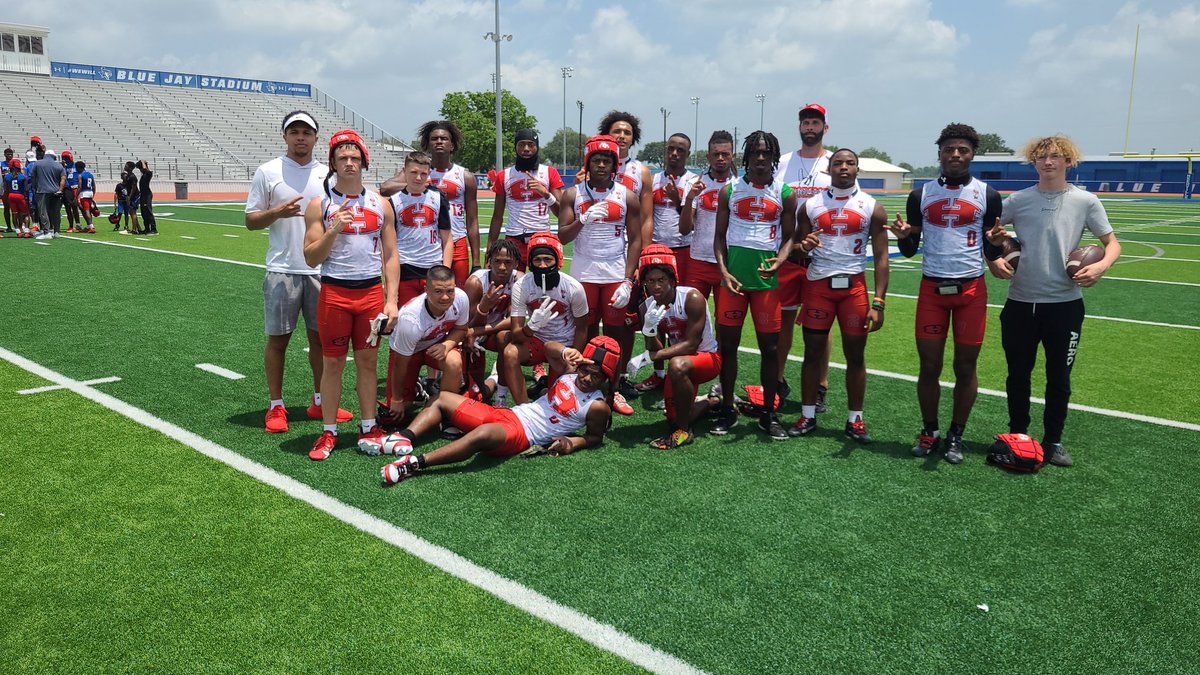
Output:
x,y
358,230
668,194
626,129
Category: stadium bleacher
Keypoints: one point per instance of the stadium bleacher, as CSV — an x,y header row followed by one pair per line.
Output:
x,y
185,134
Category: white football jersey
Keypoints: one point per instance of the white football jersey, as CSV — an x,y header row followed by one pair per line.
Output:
x,y
844,226
952,229
600,247
806,176
570,302
629,174
500,311
560,412
666,218
418,238
674,324
755,213
452,184
417,330
527,210
704,221
355,252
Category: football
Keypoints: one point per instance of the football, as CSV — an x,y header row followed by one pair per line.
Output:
x,y
1010,250
1082,257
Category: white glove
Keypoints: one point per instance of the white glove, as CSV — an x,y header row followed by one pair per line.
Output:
x,y
621,295
542,316
377,325
655,313
636,363
596,213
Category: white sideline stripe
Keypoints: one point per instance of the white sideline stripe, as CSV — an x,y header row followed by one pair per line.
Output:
x,y
205,222
1155,243
231,236
41,243
218,370
1107,277
142,238
1119,414
525,599
184,236
56,387
1087,316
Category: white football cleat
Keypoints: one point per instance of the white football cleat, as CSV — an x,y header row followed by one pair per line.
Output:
x,y
399,470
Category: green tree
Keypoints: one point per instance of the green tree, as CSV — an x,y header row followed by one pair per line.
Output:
x,y
474,113
652,153
906,166
876,153
992,143
554,148
925,172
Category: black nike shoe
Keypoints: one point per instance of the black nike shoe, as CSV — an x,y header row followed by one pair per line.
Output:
x,y
727,419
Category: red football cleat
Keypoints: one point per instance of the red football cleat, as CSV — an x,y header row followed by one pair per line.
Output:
x,y
371,442
277,422
323,447
314,413
405,467
655,381
621,406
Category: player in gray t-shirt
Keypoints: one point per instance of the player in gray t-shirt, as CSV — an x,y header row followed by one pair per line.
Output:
x,y
1045,305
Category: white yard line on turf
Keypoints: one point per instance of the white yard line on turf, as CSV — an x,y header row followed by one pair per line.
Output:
x,y
525,599
1087,316
231,236
184,236
218,370
42,243
56,387
1107,277
205,222
1119,414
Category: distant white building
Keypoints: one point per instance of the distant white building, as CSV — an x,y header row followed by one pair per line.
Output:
x,y
876,174
23,49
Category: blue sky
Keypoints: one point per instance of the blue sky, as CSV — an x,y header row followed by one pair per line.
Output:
x,y
891,72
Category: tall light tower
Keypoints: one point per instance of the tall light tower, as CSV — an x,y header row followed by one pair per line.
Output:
x,y
566,72
762,103
696,130
497,37
665,113
581,141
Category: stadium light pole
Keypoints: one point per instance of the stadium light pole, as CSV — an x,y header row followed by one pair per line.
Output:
x,y
497,37
566,72
666,113
696,130
762,104
580,104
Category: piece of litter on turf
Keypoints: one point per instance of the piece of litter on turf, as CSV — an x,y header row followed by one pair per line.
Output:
x,y
982,607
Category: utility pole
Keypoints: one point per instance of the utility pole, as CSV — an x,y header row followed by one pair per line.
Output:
x,y
580,104
762,104
696,129
566,72
497,37
665,113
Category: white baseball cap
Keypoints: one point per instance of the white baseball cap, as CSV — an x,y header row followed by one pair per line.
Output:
x,y
299,116
51,153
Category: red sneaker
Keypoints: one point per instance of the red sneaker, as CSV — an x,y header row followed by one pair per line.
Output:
x,y
620,405
857,431
314,413
655,381
323,447
277,420
90,230
405,467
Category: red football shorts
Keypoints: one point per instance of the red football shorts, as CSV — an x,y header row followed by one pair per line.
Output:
x,y
522,248
17,204
409,289
472,414
706,366
537,351
764,308
792,279
344,317
599,296
850,305
408,387
702,275
682,255
86,204
967,310
461,262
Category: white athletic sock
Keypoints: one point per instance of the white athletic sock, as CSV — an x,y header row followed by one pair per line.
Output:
x,y
275,402
332,428
368,425
501,391
660,372
855,415
317,398
809,411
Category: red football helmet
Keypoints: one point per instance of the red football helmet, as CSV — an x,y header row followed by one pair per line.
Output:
x,y
658,254
349,136
114,218
547,240
604,352
602,143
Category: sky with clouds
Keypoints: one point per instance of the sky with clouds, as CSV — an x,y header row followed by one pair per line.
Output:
x,y
891,72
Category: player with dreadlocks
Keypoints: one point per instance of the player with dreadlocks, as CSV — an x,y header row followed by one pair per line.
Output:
x,y
489,292
755,219
441,139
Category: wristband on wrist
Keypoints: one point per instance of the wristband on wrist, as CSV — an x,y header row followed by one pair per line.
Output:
x,y
551,200
877,303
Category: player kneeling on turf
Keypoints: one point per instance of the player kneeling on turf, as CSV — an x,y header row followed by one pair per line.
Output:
x,y
575,401
681,314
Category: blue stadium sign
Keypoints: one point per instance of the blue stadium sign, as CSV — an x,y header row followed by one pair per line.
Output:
x,y
162,78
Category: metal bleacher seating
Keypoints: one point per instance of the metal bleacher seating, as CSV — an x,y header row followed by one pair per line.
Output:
x,y
185,134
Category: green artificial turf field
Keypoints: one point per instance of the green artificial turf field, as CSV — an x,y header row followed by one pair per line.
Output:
x,y
128,551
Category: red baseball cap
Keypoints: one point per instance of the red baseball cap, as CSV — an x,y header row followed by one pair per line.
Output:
x,y
35,139
813,107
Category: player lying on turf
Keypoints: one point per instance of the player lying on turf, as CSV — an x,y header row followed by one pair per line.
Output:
x,y
575,401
